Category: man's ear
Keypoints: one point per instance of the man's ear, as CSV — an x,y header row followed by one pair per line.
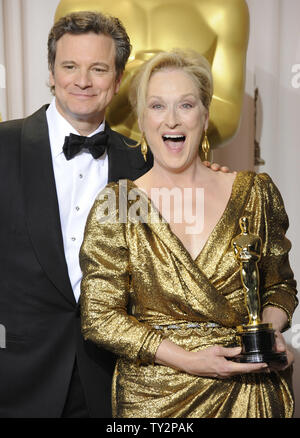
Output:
x,y
51,79
118,83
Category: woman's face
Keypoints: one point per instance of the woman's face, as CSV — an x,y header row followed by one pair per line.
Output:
x,y
174,119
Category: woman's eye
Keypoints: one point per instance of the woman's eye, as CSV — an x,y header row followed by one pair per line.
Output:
x,y
187,105
156,106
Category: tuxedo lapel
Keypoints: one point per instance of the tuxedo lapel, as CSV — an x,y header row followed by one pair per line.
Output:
x,y
41,203
125,162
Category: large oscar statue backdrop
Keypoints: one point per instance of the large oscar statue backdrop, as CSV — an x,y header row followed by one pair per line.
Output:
x,y
218,30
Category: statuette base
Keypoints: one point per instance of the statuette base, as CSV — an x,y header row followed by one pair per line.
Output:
x,y
258,345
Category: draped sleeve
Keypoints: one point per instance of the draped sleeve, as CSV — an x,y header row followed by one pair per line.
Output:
x,y
105,287
277,280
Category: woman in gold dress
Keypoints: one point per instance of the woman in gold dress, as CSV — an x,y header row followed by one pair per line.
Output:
x,y
161,286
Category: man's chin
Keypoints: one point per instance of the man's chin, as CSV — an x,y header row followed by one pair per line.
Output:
x,y
86,116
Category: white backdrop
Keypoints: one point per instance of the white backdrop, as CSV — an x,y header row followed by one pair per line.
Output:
x,y
273,54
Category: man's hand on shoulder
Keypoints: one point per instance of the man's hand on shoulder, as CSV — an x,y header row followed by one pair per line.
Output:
x,y
217,167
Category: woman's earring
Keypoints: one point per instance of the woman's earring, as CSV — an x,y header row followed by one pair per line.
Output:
x,y
144,147
205,146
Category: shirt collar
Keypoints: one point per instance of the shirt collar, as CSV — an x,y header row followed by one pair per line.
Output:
x,y
59,128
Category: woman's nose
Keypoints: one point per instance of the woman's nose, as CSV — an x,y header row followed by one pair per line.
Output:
x,y
172,118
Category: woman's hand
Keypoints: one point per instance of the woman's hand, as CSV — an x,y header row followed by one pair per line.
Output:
x,y
210,362
278,318
281,347
213,362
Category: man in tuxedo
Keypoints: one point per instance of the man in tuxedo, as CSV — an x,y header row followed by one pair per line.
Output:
x,y
53,164
49,183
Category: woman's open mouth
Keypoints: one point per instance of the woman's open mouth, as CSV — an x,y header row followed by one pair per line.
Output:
x,y
175,142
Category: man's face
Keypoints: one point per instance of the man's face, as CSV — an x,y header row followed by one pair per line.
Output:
x,y
84,77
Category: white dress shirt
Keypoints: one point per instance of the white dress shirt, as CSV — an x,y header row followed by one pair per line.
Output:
x,y
78,181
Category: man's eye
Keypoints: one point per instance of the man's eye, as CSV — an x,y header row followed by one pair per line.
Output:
x,y
99,70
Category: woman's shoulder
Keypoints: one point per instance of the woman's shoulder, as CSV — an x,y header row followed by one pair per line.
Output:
x,y
266,183
262,186
259,185
116,198
262,180
117,188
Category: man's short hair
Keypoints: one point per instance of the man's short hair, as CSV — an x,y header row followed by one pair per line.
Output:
x,y
83,22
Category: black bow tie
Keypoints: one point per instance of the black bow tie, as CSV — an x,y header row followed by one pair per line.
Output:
x,y
96,145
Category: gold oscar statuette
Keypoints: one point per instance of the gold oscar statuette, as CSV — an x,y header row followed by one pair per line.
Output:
x,y
257,338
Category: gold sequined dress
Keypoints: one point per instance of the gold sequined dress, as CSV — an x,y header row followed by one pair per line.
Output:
x,y
140,285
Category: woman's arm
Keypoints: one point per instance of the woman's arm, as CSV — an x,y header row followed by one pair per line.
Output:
x,y
105,289
277,281
276,316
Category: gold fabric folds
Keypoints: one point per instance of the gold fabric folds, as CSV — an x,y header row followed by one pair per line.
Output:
x,y
138,279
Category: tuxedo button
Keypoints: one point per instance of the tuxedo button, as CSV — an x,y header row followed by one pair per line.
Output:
x,y
73,239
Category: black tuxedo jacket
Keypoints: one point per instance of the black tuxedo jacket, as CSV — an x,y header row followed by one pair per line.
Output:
x,y
37,304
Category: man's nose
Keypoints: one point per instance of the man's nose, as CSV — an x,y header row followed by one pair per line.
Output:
x,y
83,79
